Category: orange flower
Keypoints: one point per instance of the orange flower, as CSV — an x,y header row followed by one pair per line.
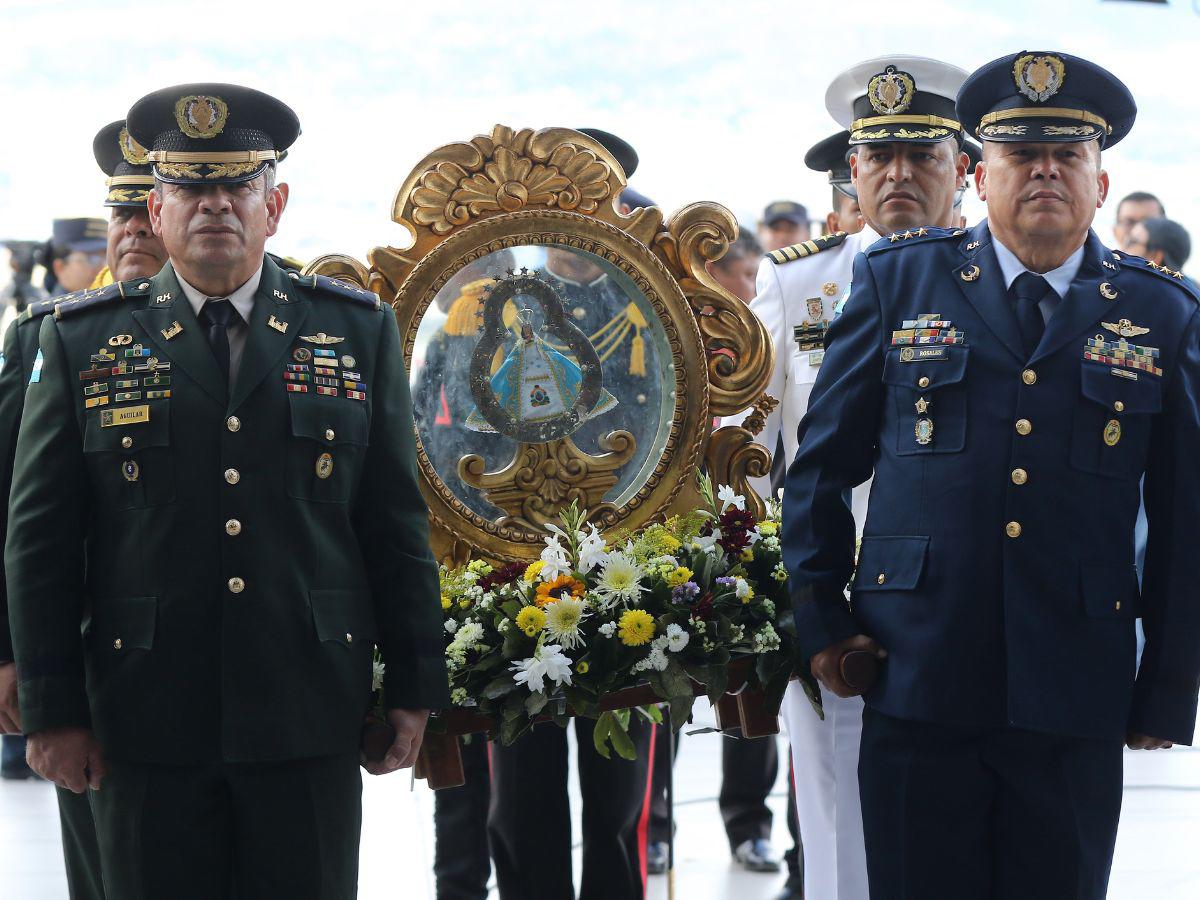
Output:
x,y
562,586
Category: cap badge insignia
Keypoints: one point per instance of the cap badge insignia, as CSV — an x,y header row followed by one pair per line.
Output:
x,y
201,116
321,338
1039,77
1125,328
134,153
891,92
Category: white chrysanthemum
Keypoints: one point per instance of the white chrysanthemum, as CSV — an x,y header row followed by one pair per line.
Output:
x,y
677,638
608,629
546,662
563,618
469,635
728,498
377,670
742,588
451,626
620,579
502,625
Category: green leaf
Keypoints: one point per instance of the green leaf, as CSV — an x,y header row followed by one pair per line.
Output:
x,y
621,741
511,608
535,703
601,732
675,680
499,686
681,711
653,713
715,683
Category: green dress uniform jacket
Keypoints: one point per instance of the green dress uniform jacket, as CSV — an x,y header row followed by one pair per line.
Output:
x,y
239,550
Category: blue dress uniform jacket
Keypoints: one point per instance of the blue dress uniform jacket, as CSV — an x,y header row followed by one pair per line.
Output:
x,y
996,565
240,549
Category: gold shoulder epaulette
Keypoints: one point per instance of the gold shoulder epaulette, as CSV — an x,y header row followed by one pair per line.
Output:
x,y
806,248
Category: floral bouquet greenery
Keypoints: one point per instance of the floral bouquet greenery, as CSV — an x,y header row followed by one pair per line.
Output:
x,y
661,606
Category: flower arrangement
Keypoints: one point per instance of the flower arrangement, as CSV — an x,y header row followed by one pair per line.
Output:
x,y
669,603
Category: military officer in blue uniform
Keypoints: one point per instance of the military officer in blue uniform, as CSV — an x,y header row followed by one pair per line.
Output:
x,y
1009,387
215,477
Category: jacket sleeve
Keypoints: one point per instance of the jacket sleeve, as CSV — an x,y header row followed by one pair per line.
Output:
x,y
12,397
837,441
768,306
1164,699
44,553
392,523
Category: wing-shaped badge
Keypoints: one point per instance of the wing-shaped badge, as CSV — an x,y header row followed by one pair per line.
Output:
x,y
1125,328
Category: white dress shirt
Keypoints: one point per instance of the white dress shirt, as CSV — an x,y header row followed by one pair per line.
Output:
x,y
242,300
1059,279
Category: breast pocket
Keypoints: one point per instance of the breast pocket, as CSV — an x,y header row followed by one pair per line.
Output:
x,y
805,366
1110,430
128,453
928,387
328,441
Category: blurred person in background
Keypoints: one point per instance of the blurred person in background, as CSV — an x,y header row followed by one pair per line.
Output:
x,y
831,157
783,222
1132,209
735,270
74,255
1163,242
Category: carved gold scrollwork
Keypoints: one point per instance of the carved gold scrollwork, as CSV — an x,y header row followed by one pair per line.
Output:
x,y
733,458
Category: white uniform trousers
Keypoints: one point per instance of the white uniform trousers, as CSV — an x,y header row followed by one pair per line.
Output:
x,y
825,766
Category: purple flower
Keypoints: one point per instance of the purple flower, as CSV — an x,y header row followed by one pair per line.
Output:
x,y
685,593
727,581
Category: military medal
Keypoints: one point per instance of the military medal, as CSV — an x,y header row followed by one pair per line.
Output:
x,y
1112,433
348,361
924,426
356,395
301,354
130,470
120,340
324,465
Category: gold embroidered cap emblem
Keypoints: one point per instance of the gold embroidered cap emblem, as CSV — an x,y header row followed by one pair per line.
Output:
x,y
201,116
134,153
891,92
1039,77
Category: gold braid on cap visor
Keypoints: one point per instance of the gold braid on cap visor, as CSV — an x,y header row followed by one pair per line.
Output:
x,y
1045,112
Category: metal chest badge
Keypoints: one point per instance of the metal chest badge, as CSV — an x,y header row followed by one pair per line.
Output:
x,y
924,426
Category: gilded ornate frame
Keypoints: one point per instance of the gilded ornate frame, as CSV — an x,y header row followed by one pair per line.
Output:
x,y
559,186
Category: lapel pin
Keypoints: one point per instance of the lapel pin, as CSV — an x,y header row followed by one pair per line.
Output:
x,y
1108,292
971,273
974,245
321,338
281,327
173,330
120,340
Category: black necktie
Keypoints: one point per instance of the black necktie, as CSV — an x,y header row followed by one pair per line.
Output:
x,y
1028,291
215,316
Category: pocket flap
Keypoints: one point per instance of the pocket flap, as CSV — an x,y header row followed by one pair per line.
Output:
x,y
942,364
1098,383
146,425
329,420
890,563
128,620
1109,592
343,615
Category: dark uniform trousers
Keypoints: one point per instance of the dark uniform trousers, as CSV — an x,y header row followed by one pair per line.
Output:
x,y
461,858
530,819
81,853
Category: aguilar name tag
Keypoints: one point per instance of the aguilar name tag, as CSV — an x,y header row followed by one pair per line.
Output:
x,y
127,416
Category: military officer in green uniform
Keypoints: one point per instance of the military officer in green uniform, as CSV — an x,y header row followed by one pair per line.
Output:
x,y
215,472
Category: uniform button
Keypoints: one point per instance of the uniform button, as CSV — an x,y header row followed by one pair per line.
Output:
x,y
1029,376
923,381
881,578
1119,406
329,435
349,638
233,423
1019,476
233,476
1013,529
127,442
233,528
117,645
1024,426
1118,605
236,585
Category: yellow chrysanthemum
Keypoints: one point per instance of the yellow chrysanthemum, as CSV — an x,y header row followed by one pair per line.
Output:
x,y
562,586
678,576
533,570
446,602
531,620
747,554
464,602
749,594
768,528
635,627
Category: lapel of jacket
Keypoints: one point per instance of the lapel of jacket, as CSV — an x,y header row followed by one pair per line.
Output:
x,y
280,309
1092,296
979,278
171,326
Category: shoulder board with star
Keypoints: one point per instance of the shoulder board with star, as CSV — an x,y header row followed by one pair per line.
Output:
x,y
806,248
337,288
911,236
94,298
38,309
1176,278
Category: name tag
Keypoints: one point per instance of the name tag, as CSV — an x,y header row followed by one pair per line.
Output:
x,y
923,354
128,415
816,357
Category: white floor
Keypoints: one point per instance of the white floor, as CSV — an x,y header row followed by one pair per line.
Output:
x,y
1158,850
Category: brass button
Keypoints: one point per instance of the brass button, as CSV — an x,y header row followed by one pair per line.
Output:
x,y
1029,376
233,423
233,528
923,381
329,435
127,442
349,638
881,578
1119,406
1019,476
1118,605
1013,529
1024,426
233,476
236,585
117,645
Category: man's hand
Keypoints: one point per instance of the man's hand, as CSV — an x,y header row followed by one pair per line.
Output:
x,y
826,665
69,757
409,725
1146,742
10,712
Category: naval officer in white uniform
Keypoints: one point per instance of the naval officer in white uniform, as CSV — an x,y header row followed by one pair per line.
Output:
x,y
903,147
